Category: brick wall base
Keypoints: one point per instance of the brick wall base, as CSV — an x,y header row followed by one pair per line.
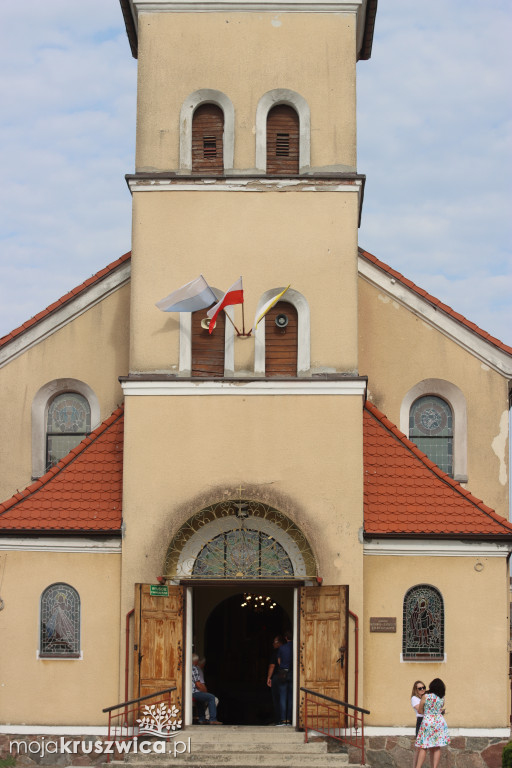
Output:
x,y
463,752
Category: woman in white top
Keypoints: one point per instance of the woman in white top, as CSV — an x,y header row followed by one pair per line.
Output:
x,y
418,690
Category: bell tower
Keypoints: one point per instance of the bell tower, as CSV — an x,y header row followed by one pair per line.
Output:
x,y
246,166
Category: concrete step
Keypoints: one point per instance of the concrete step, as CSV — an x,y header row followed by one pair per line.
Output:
x,y
239,747
243,760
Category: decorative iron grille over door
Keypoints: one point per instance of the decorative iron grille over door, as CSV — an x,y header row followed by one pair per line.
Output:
x,y
242,539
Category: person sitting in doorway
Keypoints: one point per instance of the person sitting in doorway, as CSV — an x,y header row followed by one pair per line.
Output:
x,y
201,696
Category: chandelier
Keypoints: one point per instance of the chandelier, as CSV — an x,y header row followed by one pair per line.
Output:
x,y
257,603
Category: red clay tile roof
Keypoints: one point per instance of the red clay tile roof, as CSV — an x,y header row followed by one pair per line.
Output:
x,y
435,302
406,494
82,493
101,275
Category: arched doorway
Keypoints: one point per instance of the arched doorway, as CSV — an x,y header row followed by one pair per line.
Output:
x,y
225,551
214,560
242,540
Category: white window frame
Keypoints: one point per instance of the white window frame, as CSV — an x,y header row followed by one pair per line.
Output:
x,y
457,402
195,100
303,331
299,103
186,340
40,405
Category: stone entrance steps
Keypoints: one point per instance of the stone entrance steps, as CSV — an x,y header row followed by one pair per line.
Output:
x,y
237,746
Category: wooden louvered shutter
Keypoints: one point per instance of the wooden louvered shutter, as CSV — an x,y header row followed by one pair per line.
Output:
x,y
282,140
207,139
281,343
207,349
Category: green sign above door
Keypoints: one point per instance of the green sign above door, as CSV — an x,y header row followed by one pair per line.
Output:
x,y
158,590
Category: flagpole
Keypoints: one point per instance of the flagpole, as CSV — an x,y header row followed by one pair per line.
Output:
x,y
232,323
243,320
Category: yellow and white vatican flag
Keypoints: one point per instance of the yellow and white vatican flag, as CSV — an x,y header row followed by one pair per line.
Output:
x,y
266,307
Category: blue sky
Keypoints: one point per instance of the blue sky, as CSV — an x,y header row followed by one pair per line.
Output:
x,y
434,127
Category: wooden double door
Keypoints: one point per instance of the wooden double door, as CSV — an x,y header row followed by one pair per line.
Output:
x,y
321,644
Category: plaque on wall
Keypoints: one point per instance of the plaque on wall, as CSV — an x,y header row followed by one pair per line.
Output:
x,y
382,623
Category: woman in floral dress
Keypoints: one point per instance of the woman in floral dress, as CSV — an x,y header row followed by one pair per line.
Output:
x,y
433,733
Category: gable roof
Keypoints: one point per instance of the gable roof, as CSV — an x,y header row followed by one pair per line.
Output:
x,y
118,271
66,299
406,494
436,303
82,493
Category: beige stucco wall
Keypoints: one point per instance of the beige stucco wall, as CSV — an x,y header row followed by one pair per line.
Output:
x,y
93,348
271,238
183,453
77,689
476,634
245,55
397,350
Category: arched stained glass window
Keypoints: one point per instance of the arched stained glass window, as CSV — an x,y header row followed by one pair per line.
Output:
x,y
68,422
431,429
60,622
243,554
423,624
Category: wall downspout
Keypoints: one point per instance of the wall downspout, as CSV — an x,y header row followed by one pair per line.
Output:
x,y
127,653
356,656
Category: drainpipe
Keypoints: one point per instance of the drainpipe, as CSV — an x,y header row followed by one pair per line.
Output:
x,y
356,656
127,653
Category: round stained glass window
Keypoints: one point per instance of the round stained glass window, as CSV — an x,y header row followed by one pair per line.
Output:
x,y
69,413
431,416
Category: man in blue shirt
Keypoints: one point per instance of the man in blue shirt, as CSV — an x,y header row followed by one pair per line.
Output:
x,y
285,661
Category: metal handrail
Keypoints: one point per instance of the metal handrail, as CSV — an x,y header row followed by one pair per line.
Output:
x,y
342,732
119,721
335,701
141,698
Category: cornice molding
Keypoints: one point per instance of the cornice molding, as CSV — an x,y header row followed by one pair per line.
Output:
x,y
435,548
486,352
180,388
247,6
158,182
71,544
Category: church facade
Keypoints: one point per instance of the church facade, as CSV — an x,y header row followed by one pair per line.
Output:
x,y
344,461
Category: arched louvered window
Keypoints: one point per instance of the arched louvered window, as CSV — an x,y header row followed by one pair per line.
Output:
x,y
208,348
60,622
282,140
431,429
207,139
423,624
68,422
281,340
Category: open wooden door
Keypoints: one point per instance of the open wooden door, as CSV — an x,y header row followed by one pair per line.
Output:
x,y
323,642
158,640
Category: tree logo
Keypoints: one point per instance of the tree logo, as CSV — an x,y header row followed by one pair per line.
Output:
x,y
158,720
